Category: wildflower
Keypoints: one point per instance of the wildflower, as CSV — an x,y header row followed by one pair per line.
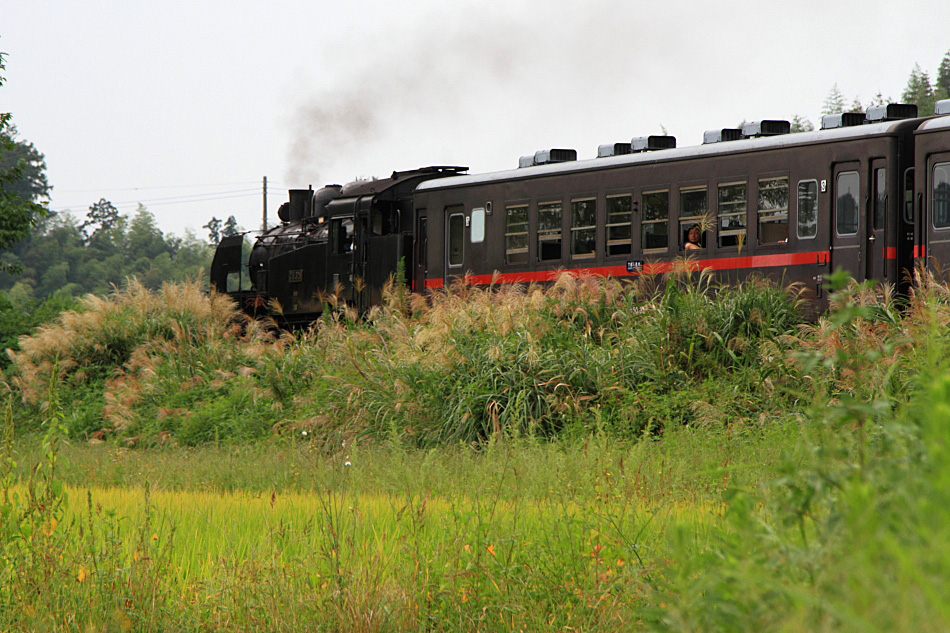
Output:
x,y
81,576
491,549
304,433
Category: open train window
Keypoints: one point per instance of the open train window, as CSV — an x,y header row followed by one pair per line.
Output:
x,y
584,228
909,195
733,199
807,209
693,218
341,235
880,198
846,203
656,219
941,195
619,223
773,210
456,239
516,234
549,231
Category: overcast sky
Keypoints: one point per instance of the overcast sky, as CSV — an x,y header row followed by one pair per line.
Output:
x,y
185,105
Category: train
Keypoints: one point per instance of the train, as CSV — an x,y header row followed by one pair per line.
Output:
x,y
868,193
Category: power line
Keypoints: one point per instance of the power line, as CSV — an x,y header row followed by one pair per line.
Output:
x,y
219,184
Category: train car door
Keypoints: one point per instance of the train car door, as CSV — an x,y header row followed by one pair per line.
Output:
x,y
849,235
454,242
876,221
421,254
936,218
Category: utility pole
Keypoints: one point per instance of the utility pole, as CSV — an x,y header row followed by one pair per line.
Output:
x,y
264,225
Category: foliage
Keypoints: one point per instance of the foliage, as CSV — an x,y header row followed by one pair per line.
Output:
x,y
57,258
834,102
919,91
22,184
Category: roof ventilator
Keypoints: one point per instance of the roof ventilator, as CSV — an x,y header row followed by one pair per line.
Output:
x,y
765,128
891,112
617,149
844,119
652,143
942,107
547,156
721,136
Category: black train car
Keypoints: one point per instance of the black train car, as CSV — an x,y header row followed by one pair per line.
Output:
x,y
868,193
791,206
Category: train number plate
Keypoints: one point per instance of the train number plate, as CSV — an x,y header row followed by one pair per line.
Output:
x,y
635,266
296,275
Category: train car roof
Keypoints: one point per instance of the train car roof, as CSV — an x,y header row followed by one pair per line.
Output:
x,y
932,125
359,188
712,149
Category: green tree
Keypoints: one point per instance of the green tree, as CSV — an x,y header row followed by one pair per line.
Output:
x,y
214,230
919,91
943,77
231,227
801,124
101,218
19,206
834,102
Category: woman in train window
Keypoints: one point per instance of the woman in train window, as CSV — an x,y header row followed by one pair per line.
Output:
x,y
694,238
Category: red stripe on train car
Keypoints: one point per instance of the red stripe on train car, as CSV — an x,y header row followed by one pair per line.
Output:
x,y
722,263
890,252
920,250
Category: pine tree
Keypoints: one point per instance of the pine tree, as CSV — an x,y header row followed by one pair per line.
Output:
x,y
834,102
943,77
801,124
919,91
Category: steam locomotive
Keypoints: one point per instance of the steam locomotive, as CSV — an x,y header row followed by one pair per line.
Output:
x,y
868,192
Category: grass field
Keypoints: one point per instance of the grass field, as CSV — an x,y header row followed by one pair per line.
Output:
x,y
587,457
524,536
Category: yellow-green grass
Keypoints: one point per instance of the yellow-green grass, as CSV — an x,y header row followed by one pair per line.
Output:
x,y
277,560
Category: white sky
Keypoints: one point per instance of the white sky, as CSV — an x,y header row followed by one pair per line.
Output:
x,y
185,105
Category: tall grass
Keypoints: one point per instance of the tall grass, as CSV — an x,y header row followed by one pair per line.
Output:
x,y
582,355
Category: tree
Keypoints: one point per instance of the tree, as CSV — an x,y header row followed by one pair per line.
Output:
x,y
834,102
231,227
102,217
943,77
19,206
919,91
801,124
214,230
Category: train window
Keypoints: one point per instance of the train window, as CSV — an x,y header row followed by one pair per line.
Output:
x,y
584,228
456,239
909,195
693,216
516,234
773,210
549,231
880,198
341,235
807,209
941,193
478,225
619,223
377,221
656,216
732,213
846,203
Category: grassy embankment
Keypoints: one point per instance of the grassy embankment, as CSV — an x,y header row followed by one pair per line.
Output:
x,y
643,459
